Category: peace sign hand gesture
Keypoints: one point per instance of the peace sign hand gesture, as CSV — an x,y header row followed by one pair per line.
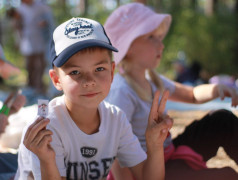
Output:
x,y
158,123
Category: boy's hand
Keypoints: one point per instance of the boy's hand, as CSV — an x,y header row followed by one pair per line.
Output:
x,y
37,139
158,124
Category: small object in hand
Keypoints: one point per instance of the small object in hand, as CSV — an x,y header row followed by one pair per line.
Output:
x,y
43,107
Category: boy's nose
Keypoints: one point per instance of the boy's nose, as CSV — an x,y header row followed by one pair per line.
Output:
x,y
89,81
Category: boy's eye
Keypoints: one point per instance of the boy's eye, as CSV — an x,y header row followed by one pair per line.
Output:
x,y
100,69
74,73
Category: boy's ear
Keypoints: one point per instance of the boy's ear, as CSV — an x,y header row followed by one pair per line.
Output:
x,y
113,69
54,76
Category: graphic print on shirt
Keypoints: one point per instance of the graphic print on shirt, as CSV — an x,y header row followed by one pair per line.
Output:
x,y
88,152
89,170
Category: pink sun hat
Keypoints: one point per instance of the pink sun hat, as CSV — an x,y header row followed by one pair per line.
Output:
x,y
130,21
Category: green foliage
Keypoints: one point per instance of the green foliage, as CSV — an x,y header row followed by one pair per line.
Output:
x,y
96,10
213,41
210,40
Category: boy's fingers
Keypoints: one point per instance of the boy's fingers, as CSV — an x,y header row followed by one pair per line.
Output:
x,y
163,102
169,121
45,141
41,135
154,107
165,124
33,129
32,125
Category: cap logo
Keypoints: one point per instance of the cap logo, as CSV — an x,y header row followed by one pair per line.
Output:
x,y
78,28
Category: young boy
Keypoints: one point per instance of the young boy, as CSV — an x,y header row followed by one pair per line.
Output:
x,y
84,133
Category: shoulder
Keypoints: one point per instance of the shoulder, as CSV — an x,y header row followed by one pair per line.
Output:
x,y
120,84
120,88
57,101
56,105
57,111
168,83
112,113
119,81
110,109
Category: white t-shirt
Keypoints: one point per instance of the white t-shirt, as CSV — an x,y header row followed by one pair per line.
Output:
x,y
137,111
81,155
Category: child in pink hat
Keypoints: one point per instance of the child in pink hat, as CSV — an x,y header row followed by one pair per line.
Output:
x,y
138,32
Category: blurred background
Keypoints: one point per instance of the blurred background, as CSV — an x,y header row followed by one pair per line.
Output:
x,y
203,32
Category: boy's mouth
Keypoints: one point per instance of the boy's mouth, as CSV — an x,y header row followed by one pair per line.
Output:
x,y
90,94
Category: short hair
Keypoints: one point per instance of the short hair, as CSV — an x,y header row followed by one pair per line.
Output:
x,y
91,49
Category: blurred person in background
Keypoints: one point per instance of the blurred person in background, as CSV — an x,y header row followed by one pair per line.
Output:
x,y
188,74
12,104
34,23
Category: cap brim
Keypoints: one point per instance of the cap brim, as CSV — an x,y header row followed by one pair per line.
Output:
x,y
63,57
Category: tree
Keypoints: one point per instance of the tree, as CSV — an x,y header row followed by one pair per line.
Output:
x,y
210,6
141,1
83,5
118,3
236,7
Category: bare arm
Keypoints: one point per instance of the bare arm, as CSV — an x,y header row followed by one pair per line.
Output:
x,y
207,92
203,93
152,168
49,171
182,93
158,125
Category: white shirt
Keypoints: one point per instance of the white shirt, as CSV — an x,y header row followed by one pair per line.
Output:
x,y
82,155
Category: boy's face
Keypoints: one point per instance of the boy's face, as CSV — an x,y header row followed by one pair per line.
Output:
x,y
85,78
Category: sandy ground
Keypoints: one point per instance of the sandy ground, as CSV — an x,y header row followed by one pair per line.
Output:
x,y
183,118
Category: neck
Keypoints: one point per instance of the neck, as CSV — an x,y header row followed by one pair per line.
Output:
x,y
140,84
87,119
138,75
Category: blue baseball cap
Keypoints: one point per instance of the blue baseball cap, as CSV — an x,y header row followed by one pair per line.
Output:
x,y
74,35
